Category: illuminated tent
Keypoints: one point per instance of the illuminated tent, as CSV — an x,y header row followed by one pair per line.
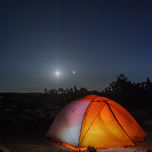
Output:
x,y
94,121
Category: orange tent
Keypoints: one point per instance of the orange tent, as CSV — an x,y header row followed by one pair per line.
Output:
x,y
95,121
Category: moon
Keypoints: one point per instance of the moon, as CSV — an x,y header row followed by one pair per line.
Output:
x,y
57,73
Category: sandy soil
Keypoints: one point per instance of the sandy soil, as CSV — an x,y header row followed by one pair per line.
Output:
x,y
43,146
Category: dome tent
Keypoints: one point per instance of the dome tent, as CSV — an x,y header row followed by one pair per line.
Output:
x,y
94,121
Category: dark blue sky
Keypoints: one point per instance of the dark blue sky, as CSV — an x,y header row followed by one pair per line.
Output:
x,y
99,39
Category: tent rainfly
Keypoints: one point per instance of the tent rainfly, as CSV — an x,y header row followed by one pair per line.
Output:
x,y
94,121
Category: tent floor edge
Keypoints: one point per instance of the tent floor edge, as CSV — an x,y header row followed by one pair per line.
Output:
x,y
78,149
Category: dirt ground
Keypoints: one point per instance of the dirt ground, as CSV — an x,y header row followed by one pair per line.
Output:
x,y
43,146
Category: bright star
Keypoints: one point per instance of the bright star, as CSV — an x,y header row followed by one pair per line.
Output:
x,y
73,72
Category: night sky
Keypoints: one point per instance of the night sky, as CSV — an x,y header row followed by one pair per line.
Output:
x,y
98,39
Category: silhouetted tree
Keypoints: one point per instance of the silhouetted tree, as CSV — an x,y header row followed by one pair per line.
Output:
x,y
130,94
83,91
61,91
45,90
75,89
53,92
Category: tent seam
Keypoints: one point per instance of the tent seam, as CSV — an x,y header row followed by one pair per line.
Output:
x,y
84,117
90,125
120,124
